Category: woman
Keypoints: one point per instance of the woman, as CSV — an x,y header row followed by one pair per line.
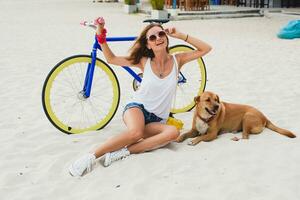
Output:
x,y
144,117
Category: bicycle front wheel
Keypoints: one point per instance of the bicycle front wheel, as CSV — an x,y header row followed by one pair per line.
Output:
x,y
191,83
63,100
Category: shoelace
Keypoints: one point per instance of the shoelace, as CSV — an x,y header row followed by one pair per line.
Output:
x,y
90,165
118,155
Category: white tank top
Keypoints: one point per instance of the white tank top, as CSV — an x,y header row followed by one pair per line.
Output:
x,y
156,94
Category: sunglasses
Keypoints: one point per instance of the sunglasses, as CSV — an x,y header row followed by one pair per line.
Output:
x,y
154,37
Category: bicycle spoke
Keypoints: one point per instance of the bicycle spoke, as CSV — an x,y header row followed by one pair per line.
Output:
x,y
94,110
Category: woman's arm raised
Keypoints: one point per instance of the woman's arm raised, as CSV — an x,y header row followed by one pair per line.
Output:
x,y
202,48
110,57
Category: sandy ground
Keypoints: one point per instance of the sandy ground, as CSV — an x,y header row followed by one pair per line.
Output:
x,y
248,64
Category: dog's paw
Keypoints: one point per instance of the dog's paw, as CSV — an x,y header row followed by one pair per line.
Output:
x,y
180,139
245,137
191,143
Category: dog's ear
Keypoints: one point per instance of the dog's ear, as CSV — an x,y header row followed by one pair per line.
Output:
x,y
197,99
218,99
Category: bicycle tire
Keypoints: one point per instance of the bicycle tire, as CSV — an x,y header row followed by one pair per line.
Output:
x,y
185,92
62,100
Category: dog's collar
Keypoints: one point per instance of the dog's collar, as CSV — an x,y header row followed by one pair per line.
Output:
x,y
206,120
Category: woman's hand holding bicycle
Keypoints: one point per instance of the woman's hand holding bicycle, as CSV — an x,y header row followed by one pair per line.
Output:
x,y
100,31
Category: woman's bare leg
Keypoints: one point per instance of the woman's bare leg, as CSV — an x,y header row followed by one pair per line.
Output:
x,y
134,120
155,136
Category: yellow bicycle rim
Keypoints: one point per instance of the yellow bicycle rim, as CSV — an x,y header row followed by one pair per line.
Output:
x,y
200,63
47,98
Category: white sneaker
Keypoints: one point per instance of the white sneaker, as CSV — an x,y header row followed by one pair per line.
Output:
x,y
115,155
82,164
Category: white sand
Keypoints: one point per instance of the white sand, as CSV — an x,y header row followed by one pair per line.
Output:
x,y
248,64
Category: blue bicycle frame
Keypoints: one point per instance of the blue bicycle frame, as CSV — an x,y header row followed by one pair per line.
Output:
x,y
90,70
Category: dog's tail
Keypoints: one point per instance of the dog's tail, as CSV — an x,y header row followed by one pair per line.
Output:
x,y
282,131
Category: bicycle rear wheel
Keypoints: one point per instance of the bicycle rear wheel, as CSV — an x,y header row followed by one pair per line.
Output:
x,y
192,81
64,103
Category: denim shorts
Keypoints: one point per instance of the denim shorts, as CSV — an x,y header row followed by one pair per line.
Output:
x,y
148,116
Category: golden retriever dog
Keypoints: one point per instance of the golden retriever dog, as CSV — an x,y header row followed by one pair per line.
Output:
x,y
213,117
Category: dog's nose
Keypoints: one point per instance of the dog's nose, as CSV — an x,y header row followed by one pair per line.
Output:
x,y
216,107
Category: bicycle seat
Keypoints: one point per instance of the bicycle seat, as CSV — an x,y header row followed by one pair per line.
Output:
x,y
159,21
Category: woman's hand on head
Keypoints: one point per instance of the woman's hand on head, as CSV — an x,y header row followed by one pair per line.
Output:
x,y
99,22
173,32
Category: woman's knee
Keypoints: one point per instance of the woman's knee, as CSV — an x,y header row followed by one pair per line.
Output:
x,y
135,134
173,133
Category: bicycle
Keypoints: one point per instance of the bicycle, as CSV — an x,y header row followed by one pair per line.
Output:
x,y
82,92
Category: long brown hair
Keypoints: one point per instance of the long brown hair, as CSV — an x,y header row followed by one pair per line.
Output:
x,y
139,48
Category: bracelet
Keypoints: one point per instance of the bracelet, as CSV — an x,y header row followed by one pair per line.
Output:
x,y
102,37
187,37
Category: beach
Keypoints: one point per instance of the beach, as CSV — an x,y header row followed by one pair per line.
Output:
x,y
248,65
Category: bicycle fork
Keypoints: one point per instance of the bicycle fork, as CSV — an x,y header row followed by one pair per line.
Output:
x,y
86,91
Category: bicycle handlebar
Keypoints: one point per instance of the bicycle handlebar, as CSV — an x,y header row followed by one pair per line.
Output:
x,y
89,24
108,39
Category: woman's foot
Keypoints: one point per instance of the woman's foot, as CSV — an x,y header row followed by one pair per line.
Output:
x,y
83,164
115,155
